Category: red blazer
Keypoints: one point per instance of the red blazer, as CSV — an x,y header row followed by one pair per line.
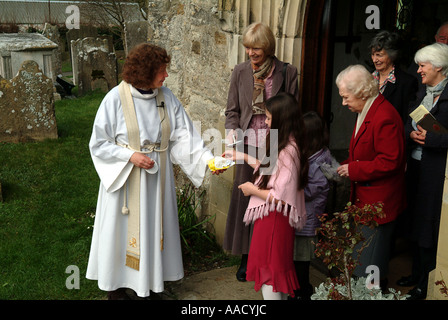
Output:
x,y
377,160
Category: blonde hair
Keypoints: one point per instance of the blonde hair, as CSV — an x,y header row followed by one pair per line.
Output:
x,y
258,35
358,80
436,54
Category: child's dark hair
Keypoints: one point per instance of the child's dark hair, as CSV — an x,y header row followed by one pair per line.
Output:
x,y
288,121
317,132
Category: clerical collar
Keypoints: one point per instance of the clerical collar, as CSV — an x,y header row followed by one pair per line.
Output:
x,y
150,91
143,94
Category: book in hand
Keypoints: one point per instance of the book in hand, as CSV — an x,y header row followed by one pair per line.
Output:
x,y
426,120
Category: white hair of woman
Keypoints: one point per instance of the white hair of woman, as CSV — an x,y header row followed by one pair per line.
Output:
x,y
436,54
359,81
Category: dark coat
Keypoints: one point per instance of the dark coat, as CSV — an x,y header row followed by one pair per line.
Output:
x,y
431,177
402,93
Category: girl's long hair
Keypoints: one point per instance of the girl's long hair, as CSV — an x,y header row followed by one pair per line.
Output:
x,y
316,131
287,120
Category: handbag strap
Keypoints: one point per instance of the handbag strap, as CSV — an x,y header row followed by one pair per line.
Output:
x,y
285,66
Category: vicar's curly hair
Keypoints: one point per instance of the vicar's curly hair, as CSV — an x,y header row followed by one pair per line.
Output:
x,y
142,64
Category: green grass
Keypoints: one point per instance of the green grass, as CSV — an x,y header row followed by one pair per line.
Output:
x,y
49,192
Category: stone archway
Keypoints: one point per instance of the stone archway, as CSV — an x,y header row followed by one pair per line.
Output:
x,y
285,17
302,29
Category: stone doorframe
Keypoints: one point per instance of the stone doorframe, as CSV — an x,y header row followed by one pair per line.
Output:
x,y
285,17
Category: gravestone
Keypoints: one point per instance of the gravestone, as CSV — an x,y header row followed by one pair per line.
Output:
x,y
15,48
27,106
52,33
94,65
137,32
81,33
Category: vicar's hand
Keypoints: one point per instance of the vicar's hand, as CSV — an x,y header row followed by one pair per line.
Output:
x,y
142,161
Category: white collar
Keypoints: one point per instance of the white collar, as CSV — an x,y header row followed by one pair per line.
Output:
x,y
362,115
137,94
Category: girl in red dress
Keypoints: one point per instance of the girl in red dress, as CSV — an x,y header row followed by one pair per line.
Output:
x,y
277,202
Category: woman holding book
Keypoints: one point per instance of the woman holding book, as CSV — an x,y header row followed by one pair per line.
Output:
x,y
426,165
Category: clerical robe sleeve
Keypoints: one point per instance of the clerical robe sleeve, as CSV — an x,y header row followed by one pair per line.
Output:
x,y
111,161
187,149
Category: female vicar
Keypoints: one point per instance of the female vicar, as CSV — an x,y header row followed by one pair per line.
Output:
x,y
139,131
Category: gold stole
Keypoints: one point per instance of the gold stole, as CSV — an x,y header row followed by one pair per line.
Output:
x,y
133,236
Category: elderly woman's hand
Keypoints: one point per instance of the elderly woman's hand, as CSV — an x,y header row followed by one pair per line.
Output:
x,y
343,170
419,136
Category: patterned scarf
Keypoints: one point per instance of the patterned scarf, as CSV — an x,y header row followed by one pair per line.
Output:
x,y
432,92
390,78
260,74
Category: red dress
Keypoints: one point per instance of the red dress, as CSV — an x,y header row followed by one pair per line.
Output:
x,y
275,220
271,254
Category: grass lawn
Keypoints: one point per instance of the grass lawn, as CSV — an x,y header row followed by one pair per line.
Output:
x,y
50,190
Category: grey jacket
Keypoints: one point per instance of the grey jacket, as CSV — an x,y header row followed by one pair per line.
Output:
x,y
239,102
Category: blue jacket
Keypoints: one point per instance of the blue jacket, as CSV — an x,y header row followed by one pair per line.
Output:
x,y
316,192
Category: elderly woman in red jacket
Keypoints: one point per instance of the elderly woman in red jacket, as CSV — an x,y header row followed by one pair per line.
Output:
x,y
376,163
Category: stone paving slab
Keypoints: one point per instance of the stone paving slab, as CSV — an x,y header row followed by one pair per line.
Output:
x,y
221,284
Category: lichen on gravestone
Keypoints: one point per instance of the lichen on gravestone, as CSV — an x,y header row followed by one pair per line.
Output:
x,y
27,106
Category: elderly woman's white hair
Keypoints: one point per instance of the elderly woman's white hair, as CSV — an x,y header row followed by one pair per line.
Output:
x,y
436,54
359,81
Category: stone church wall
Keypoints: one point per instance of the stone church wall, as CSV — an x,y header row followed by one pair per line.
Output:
x,y
199,76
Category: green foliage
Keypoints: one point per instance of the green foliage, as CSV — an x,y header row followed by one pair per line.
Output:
x,y
359,291
339,237
191,229
199,247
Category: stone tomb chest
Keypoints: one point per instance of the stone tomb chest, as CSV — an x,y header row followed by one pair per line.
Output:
x,y
15,48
